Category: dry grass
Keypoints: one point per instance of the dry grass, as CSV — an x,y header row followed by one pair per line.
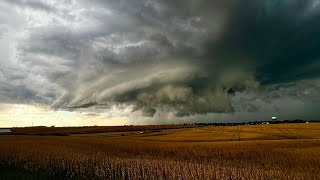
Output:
x,y
242,152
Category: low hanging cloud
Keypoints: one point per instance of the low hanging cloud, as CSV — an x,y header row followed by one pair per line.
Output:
x,y
174,57
181,87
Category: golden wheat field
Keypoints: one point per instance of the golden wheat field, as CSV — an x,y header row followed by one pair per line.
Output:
x,y
283,151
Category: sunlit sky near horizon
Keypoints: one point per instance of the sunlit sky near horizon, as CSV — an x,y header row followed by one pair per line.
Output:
x,y
18,115
106,62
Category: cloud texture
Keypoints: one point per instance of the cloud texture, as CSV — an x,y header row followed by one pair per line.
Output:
x,y
187,58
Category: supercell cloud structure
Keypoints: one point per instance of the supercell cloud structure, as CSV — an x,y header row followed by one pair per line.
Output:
x,y
189,58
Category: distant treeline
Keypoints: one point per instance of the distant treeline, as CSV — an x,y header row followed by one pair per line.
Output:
x,y
65,131
254,123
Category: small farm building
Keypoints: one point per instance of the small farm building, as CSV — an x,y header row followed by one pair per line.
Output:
x,y
5,131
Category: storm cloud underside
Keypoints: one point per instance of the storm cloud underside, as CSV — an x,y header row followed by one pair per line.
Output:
x,y
191,58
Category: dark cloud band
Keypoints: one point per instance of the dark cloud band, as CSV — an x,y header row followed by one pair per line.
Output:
x,y
183,57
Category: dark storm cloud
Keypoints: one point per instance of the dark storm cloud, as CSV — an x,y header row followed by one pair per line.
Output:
x,y
235,45
162,68
185,57
280,37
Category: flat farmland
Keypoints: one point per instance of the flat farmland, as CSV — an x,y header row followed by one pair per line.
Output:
x,y
90,130
239,133
282,151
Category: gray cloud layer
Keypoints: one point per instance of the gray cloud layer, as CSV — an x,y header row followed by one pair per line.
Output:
x,y
181,57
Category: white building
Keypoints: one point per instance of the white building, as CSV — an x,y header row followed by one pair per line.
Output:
x,y
274,118
5,131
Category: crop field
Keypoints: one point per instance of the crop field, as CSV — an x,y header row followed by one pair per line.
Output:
x,y
283,151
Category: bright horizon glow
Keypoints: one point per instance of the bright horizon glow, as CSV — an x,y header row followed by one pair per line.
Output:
x,y
22,115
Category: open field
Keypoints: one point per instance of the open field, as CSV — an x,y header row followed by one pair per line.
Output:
x,y
284,151
90,130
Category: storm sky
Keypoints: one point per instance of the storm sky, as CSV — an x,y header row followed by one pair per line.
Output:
x,y
105,62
